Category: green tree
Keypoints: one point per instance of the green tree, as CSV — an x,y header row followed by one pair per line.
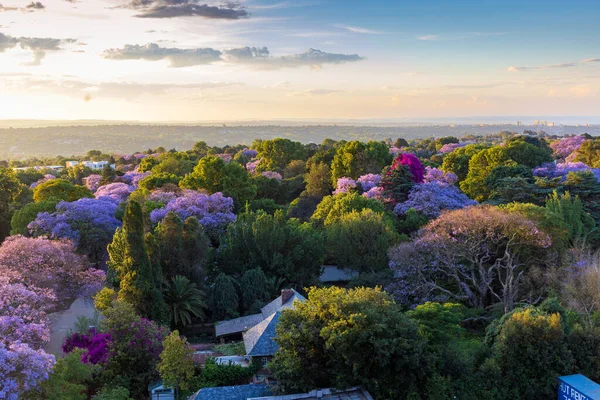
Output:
x,y
318,180
176,366
360,240
458,160
344,338
112,393
589,153
133,268
332,208
570,212
69,378
253,286
224,298
280,247
60,189
277,153
9,190
183,300
481,166
158,180
355,158
214,175
27,214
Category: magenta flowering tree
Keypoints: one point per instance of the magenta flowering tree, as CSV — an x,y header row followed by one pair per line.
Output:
x,y
213,211
564,147
96,346
414,165
369,181
92,182
272,175
90,223
431,198
50,264
345,185
116,192
439,176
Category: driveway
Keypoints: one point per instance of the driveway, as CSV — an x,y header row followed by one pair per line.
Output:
x,y
63,322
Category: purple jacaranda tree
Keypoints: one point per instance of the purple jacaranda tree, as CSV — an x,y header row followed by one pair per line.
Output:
x,y
561,170
116,192
475,255
564,147
345,185
439,176
24,330
376,193
450,147
272,175
50,264
133,178
430,199
92,182
163,196
90,223
249,153
414,165
213,211
46,178
369,181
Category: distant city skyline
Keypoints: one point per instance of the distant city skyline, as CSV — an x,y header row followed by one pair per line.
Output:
x,y
203,60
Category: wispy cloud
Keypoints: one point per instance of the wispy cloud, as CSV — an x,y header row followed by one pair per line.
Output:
x,y
553,66
459,36
280,5
315,92
358,29
257,57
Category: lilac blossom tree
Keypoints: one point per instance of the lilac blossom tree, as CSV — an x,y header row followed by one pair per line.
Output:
x,y
564,147
437,175
272,175
116,192
369,181
561,170
430,199
450,147
345,185
90,223
92,182
213,211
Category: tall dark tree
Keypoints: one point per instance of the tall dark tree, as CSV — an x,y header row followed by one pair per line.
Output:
x,y
9,190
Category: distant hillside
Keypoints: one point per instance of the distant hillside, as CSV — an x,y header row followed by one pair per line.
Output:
x,y
18,143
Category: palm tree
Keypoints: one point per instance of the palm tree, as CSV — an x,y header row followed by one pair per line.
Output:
x,y
183,299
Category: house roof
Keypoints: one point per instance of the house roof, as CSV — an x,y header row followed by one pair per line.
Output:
x,y
242,324
355,393
258,340
278,304
237,325
241,392
332,273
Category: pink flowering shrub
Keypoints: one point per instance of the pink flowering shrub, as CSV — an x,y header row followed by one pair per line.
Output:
x,y
345,185
272,175
224,157
251,166
450,147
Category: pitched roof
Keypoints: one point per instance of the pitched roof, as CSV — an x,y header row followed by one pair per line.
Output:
x,y
237,325
258,340
278,305
241,392
356,393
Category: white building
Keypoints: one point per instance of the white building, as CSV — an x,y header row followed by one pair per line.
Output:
x,y
96,165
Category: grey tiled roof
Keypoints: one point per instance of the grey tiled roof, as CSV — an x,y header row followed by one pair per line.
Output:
x,y
277,305
241,392
258,340
237,325
331,273
356,393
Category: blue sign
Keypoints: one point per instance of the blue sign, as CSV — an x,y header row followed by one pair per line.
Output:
x,y
577,387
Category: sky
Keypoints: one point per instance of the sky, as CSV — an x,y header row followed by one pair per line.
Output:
x,y
203,60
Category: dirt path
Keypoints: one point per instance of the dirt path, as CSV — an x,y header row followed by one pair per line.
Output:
x,y
63,322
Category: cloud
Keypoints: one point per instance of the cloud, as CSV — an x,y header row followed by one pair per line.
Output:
x,y
177,57
429,37
4,9
257,57
358,29
187,8
553,66
580,91
35,5
459,36
38,46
